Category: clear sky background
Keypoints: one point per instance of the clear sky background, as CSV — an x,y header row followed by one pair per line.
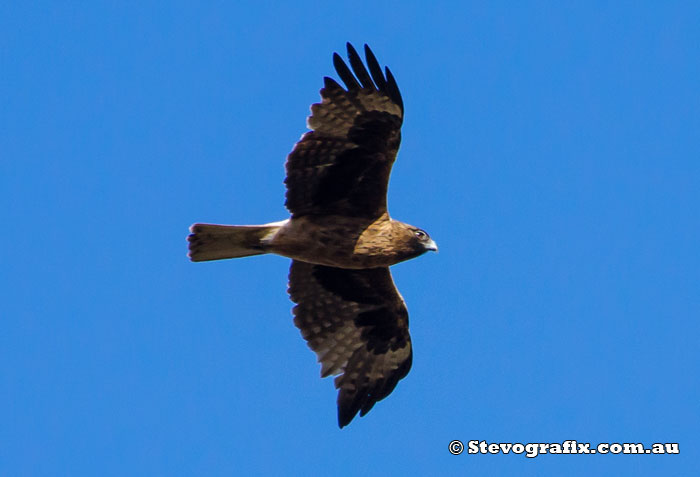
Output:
x,y
551,150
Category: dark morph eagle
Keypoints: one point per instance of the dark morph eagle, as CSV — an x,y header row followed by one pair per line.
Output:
x,y
340,237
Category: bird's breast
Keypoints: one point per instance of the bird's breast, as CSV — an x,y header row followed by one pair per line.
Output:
x,y
336,241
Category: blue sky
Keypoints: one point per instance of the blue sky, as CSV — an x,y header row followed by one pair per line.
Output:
x,y
551,150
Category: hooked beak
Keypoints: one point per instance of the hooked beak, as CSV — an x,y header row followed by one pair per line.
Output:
x,y
431,246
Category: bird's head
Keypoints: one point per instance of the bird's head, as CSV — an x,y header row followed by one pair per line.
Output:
x,y
412,241
422,241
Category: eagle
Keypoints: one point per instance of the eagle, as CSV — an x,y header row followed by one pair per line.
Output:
x,y
340,236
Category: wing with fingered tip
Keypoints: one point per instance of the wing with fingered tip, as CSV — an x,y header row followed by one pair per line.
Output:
x,y
357,324
342,165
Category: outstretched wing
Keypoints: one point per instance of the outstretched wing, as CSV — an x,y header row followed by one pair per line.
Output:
x,y
342,165
357,323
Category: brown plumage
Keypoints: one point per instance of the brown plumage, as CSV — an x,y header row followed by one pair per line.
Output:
x,y
340,237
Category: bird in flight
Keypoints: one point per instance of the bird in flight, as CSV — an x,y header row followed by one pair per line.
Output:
x,y
340,237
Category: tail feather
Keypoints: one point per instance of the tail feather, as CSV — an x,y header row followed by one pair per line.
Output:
x,y
215,242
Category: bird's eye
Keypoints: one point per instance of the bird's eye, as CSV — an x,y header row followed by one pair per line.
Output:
x,y
420,234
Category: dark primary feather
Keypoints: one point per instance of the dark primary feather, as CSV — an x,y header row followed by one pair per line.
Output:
x,y
345,74
359,68
357,323
392,88
376,71
343,165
